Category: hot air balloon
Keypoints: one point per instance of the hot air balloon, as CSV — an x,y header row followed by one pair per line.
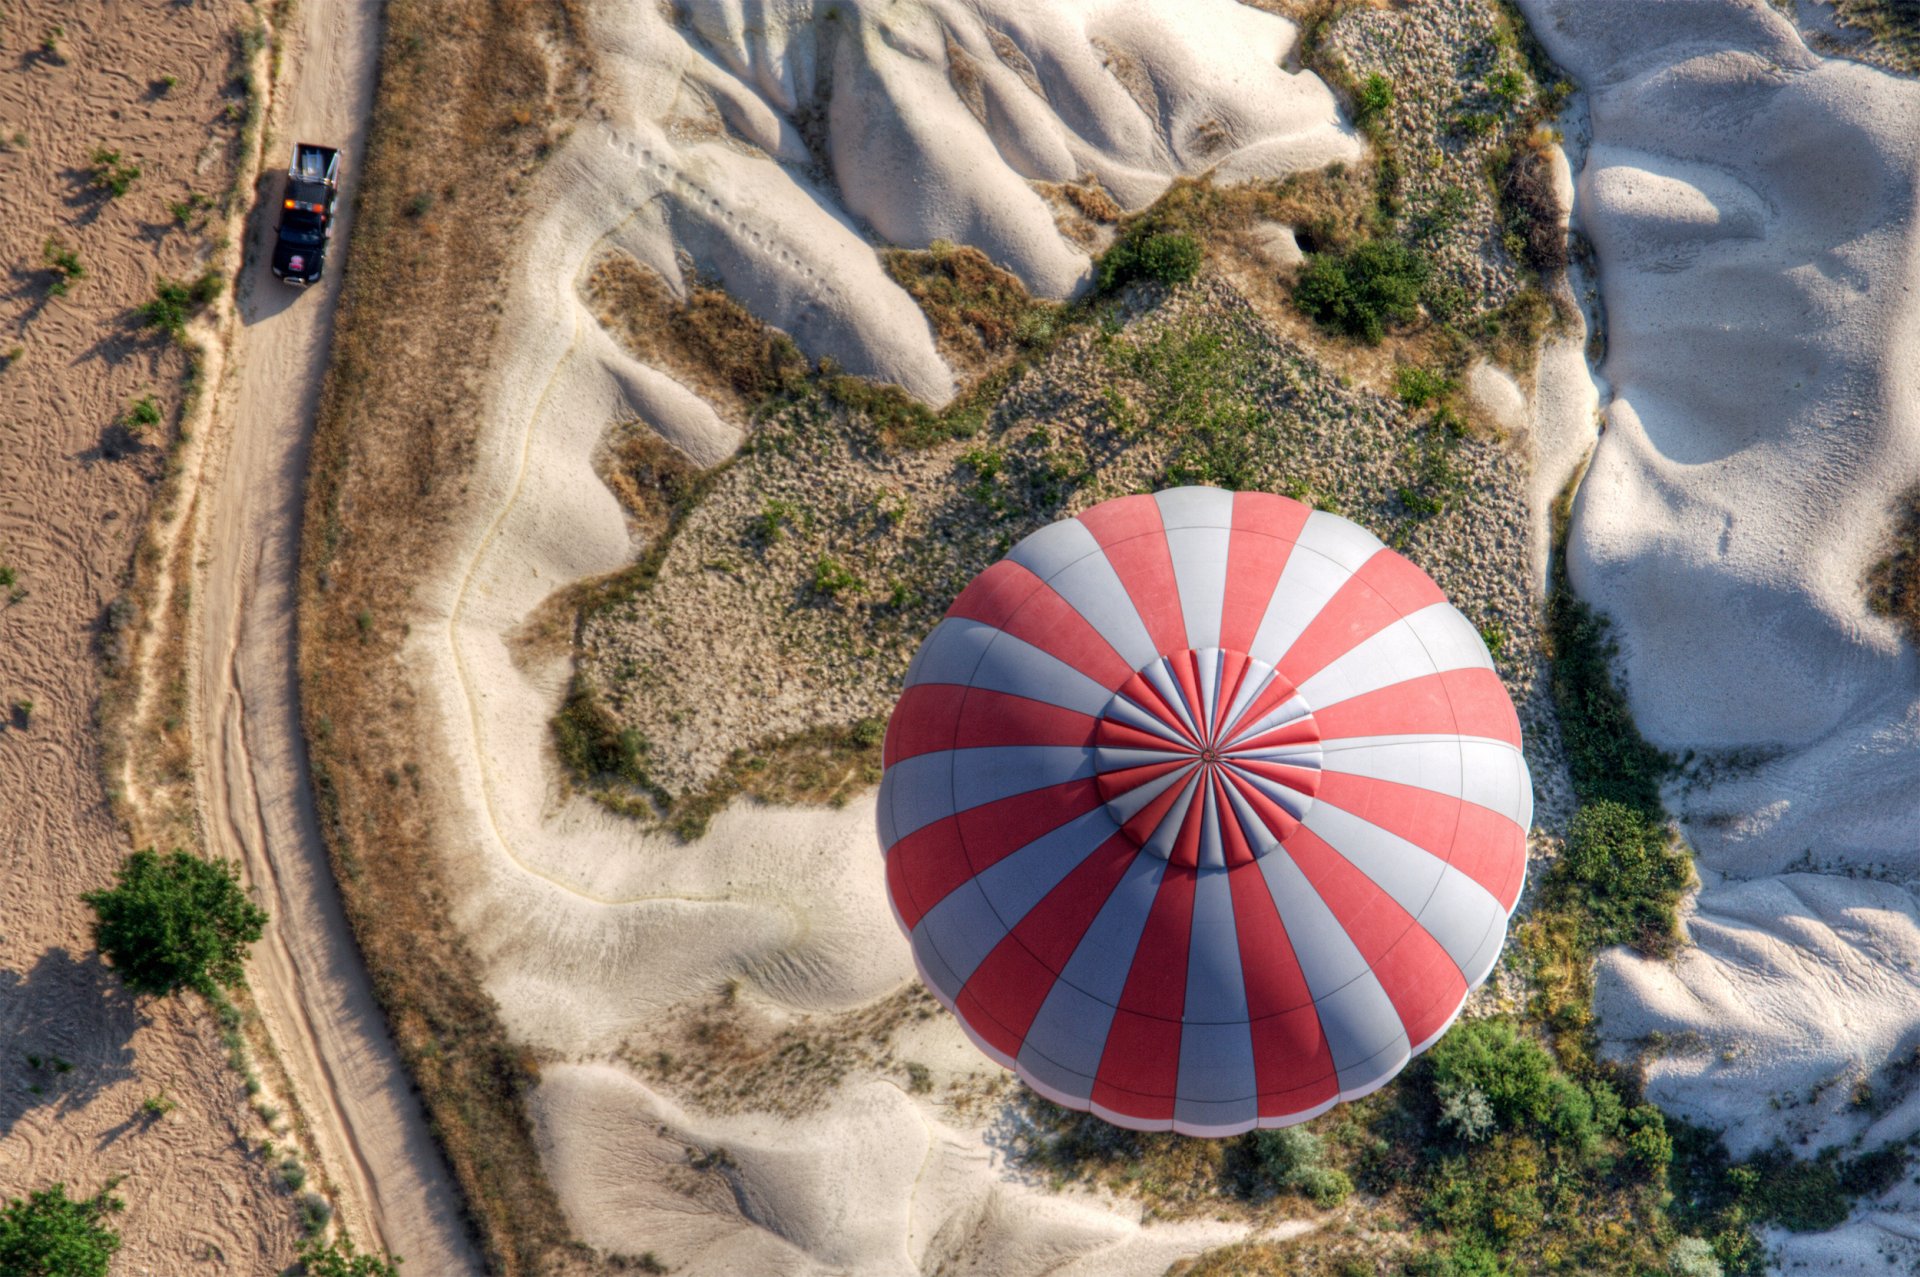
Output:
x,y
1204,811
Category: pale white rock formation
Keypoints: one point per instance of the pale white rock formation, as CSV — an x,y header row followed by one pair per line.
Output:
x,y
1752,207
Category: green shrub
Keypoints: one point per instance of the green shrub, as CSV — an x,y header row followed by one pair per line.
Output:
x,y
591,741
1292,1160
175,922
338,1258
141,414
1418,387
48,1234
1693,1257
1621,868
111,173
1466,1259
64,263
1167,258
1373,99
1521,1083
1465,1112
175,302
1648,1144
831,577
1361,291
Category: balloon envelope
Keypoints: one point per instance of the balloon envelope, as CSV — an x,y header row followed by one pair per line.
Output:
x,y
1204,811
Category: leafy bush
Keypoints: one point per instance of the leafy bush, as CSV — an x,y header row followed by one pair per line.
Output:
x,y
1465,1111
1417,387
1622,870
1648,1143
1166,257
175,302
1466,1259
1361,291
1517,1078
1292,1159
48,1234
1373,99
175,922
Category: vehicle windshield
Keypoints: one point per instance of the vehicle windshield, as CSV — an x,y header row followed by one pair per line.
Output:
x,y
301,228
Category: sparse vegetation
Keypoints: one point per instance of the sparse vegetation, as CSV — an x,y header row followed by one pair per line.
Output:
x,y
1608,756
1373,99
156,1106
141,415
338,1258
175,302
111,173
979,312
1530,208
175,922
592,743
1892,25
48,1234
63,264
831,577
184,211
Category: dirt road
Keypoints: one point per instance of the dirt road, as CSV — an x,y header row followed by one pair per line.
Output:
x,y
307,975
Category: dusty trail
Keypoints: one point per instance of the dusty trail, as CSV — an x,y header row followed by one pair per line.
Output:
x,y
313,993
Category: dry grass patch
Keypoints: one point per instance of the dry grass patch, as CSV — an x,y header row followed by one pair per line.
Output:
x,y
981,314
724,1056
471,99
706,340
1893,582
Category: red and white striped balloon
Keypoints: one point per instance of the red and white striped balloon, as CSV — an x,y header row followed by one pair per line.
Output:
x,y
1204,811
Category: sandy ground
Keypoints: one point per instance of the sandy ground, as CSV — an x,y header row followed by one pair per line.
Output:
x,y
598,939
1752,207
313,993
74,491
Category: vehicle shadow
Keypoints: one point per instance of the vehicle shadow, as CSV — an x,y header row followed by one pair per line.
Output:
x,y
68,1028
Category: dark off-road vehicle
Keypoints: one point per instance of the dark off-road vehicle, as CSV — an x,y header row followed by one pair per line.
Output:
x,y
306,214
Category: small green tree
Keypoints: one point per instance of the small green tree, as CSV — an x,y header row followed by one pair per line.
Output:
x,y
338,1258
48,1234
175,922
